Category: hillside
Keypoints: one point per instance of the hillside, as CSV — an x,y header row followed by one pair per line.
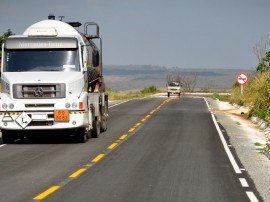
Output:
x,y
132,77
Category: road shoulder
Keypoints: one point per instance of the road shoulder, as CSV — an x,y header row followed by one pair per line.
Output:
x,y
243,135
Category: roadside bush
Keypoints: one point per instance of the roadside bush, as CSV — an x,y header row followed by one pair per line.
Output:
x,y
224,98
116,95
150,90
261,105
256,95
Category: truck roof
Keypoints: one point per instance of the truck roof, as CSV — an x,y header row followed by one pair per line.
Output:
x,y
52,28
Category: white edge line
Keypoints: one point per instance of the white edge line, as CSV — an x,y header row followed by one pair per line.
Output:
x,y
243,182
252,196
118,104
229,153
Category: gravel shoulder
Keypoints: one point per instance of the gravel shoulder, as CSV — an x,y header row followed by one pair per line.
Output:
x,y
243,135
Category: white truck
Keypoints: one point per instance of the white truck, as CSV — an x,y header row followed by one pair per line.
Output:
x,y
174,87
51,79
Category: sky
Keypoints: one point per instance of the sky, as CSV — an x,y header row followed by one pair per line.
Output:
x,y
169,33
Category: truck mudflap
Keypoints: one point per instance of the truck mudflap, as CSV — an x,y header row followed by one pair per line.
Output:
x,y
58,119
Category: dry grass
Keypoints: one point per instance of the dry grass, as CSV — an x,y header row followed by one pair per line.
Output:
x,y
256,95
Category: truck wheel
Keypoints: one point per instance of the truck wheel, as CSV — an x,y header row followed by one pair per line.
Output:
x,y
81,135
96,129
168,94
103,125
7,137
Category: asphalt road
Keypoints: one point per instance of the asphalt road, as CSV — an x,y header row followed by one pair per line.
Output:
x,y
154,150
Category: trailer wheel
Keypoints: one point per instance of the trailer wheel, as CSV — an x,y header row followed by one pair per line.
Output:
x,y
95,132
7,137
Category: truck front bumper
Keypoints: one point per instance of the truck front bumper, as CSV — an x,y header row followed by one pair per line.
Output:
x,y
41,120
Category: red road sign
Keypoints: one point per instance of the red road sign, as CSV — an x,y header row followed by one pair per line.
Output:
x,y
241,78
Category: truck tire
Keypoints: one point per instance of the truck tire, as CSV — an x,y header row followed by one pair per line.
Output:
x,y
103,125
7,137
81,135
168,94
95,132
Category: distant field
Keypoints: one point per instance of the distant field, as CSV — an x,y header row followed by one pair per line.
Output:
x,y
132,77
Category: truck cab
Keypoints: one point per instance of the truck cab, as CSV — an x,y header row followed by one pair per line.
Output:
x,y
46,77
173,87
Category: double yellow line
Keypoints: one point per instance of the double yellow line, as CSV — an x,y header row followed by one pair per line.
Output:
x,y
100,156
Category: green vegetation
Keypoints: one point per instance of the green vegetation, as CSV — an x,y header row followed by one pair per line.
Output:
x,y
264,65
264,148
224,98
116,95
256,94
2,39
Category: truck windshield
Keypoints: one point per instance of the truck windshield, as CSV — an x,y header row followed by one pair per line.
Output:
x,y
33,60
174,84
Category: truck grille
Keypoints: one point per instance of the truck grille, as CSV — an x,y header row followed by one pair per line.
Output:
x,y
40,91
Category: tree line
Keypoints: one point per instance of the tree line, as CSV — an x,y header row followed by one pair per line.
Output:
x,y
2,39
262,52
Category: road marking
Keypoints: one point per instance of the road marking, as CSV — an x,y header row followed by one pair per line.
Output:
x,y
112,146
2,145
77,173
123,136
137,124
243,182
227,149
153,111
118,104
97,158
252,196
131,130
46,193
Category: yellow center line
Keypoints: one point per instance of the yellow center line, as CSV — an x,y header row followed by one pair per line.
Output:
x,y
97,158
131,130
77,173
112,146
123,136
137,124
46,193
152,112
100,156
